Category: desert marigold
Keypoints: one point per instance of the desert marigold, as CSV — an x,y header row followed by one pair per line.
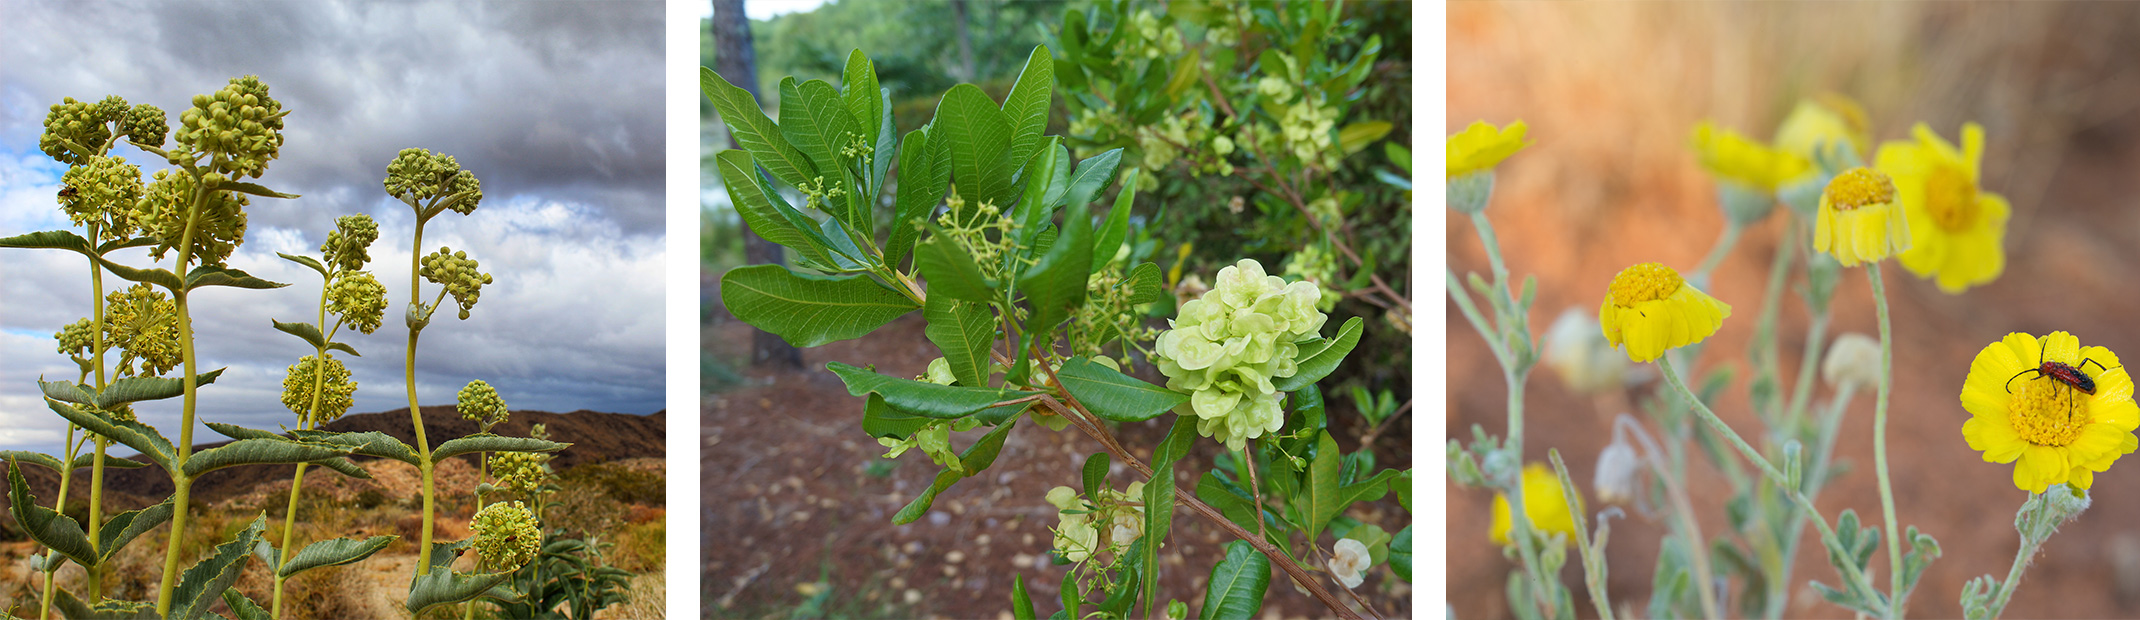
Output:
x,y
1650,308
1542,502
2052,430
1735,159
1482,146
1955,227
1858,220
1825,121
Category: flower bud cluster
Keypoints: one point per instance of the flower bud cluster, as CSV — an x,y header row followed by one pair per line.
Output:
x,y
479,402
1107,522
1226,347
332,380
76,338
1106,316
87,125
417,175
100,192
969,228
359,299
239,127
458,273
524,472
146,124
162,212
348,246
507,536
143,322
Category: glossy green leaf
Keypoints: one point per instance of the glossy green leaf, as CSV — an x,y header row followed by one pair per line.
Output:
x,y
133,434
1158,520
486,442
1401,554
810,310
1045,179
334,552
244,607
138,389
1319,499
55,531
1355,137
1095,472
1115,396
965,332
976,458
1072,599
1178,442
1026,108
202,586
950,270
978,135
1317,360
924,175
1236,507
750,128
259,452
881,419
124,527
1055,286
224,276
1021,601
1116,227
1237,584
1092,177
942,402
814,119
862,96
1144,284
764,211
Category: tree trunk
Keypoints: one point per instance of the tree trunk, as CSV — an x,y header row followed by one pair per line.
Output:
x,y
737,60
966,66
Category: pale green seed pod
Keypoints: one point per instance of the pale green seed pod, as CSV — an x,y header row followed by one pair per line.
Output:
x,y
507,536
458,273
143,322
359,299
161,212
348,246
1227,345
335,388
479,402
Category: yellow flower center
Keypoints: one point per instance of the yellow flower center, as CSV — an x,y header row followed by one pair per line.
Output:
x,y
1644,282
1951,199
2048,412
1860,187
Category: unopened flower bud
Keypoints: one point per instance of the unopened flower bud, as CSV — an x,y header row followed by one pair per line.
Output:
x,y
1576,349
479,402
1853,358
1617,471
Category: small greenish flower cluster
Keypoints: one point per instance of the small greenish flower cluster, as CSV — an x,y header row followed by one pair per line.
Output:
x,y
524,472
507,536
86,125
479,402
1106,316
970,228
76,338
1107,522
348,246
143,322
1226,346
146,124
417,174
239,127
103,190
359,299
1154,39
1315,263
458,273
333,381
162,212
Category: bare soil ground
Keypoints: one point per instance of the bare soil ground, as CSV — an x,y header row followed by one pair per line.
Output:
x,y
790,500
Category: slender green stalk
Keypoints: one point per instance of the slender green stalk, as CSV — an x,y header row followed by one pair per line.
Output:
x,y
179,479
1724,242
1593,566
2029,545
416,413
1493,246
1887,490
1763,349
52,563
1514,371
1816,478
1685,508
310,421
96,467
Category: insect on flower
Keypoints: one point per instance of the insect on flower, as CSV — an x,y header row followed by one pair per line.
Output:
x,y
2069,375
67,191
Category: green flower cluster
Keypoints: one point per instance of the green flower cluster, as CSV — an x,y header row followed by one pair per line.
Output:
x,y
418,174
479,402
335,388
1086,527
87,126
146,124
1315,263
359,299
458,273
143,322
239,127
524,472
1226,346
76,338
506,536
100,192
162,212
348,246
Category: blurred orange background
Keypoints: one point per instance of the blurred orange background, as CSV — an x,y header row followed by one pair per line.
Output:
x,y
1612,91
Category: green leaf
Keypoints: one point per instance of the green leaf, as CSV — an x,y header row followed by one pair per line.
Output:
x,y
1093,175
1026,108
1047,180
1316,360
1115,396
1055,286
55,531
924,174
486,442
813,119
750,128
950,271
862,96
223,276
443,586
1021,602
245,608
107,609
124,527
1400,156
336,346
1144,284
1095,472
976,458
765,212
810,310
306,261
303,331
49,240
137,389
67,391
160,277
1123,597
1187,69
1402,485
334,552
1234,505
1178,442
1158,520
1117,226
40,459
1237,584
1401,554
133,434
978,135
1355,137
228,185
1071,596
203,584
259,452
121,244
368,443
966,332
942,402
881,419
1319,500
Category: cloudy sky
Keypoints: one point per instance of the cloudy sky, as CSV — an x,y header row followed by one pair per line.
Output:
x,y
556,106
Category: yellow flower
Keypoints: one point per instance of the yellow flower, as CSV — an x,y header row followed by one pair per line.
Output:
x,y
1858,220
1542,502
1482,146
1955,228
1828,118
1650,309
2051,431
1734,158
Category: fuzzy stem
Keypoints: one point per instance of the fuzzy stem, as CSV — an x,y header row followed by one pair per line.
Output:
x,y
2029,545
182,482
96,468
52,555
1724,242
1680,504
416,413
1593,566
1887,490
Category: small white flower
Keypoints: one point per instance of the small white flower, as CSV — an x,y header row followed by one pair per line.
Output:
x,y
1349,562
